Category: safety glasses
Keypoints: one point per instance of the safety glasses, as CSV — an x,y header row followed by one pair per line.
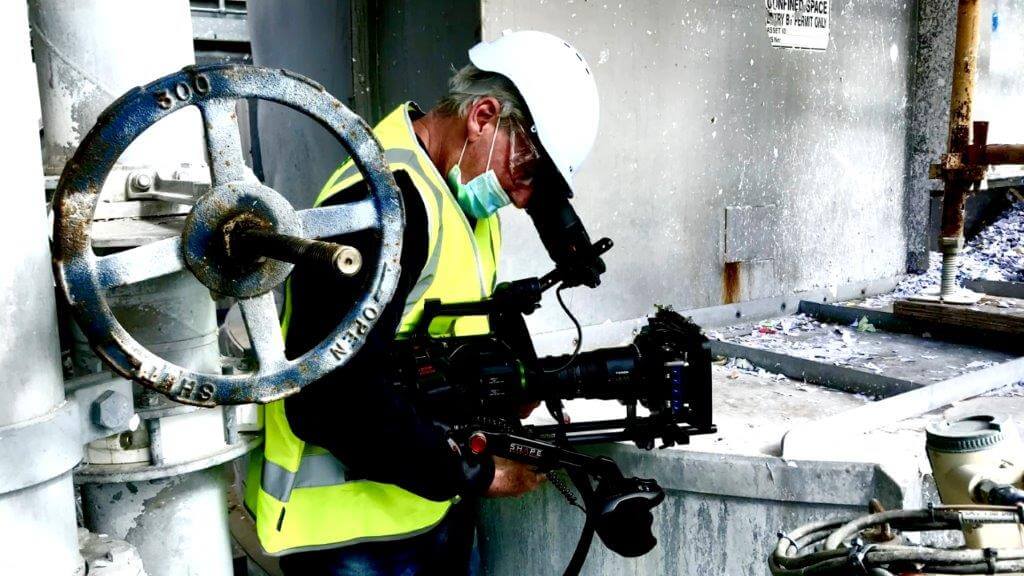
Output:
x,y
523,154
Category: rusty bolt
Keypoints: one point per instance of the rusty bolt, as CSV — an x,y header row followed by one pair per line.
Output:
x,y
111,410
142,181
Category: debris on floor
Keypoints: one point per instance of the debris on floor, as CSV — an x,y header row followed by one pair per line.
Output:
x,y
996,253
860,346
738,366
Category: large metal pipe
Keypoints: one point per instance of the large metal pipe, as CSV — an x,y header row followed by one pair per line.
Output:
x,y
965,60
160,487
38,533
89,52
153,514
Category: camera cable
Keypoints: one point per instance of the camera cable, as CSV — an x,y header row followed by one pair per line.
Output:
x,y
579,333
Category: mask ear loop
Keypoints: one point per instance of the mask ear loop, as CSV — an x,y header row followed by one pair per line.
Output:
x,y
493,140
463,153
489,153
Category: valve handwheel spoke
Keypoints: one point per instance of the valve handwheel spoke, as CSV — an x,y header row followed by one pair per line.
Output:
x,y
223,141
148,261
260,315
241,238
338,219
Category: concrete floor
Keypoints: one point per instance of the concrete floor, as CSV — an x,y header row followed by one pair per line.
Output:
x,y
905,356
754,412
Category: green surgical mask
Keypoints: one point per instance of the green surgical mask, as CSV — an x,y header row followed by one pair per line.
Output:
x,y
483,195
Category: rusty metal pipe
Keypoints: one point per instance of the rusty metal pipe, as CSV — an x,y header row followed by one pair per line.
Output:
x,y
1004,154
965,60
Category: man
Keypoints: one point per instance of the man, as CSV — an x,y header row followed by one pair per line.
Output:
x,y
356,478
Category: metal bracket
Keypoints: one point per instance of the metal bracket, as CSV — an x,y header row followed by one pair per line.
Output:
x,y
952,167
151,185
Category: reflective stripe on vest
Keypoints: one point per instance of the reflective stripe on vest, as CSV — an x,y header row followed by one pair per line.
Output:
x,y
301,496
314,470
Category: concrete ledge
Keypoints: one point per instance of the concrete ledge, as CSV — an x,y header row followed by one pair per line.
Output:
x,y
720,517
759,477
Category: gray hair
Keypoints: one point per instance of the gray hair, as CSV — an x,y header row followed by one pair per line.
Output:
x,y
470,83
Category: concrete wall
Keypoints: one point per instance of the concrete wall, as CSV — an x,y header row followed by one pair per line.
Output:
x,y
929,118
699,115
700,118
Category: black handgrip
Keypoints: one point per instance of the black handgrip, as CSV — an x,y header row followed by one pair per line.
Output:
x,y
624,518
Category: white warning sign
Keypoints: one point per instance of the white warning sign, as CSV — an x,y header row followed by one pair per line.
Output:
x,y
798,23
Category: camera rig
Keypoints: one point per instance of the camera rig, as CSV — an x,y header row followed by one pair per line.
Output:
x,y
478,384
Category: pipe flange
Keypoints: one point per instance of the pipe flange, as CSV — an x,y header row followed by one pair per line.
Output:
x,y
42,448
113,473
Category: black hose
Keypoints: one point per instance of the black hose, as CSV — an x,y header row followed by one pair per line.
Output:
x,y
999,494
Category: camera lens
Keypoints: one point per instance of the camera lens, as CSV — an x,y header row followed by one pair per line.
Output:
x,y
608,374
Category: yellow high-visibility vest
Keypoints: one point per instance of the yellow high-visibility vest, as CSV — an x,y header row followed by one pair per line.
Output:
x,y
298,492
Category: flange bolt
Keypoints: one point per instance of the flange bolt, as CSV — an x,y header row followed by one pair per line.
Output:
x,y
111,410
142,181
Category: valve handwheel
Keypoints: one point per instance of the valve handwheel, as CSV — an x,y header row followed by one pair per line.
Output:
x,y
228,230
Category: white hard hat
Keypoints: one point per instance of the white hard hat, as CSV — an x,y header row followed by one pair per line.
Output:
x,y
558,87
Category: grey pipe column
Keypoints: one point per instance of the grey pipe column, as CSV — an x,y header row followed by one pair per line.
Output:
x,y
38,533
161,486
89,52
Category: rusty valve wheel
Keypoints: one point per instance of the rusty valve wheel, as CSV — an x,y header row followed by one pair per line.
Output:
x,y
240,240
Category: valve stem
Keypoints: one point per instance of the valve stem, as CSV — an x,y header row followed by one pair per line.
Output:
x,y
252,242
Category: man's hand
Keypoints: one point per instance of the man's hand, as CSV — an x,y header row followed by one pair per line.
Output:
x,y
513,478
526,409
